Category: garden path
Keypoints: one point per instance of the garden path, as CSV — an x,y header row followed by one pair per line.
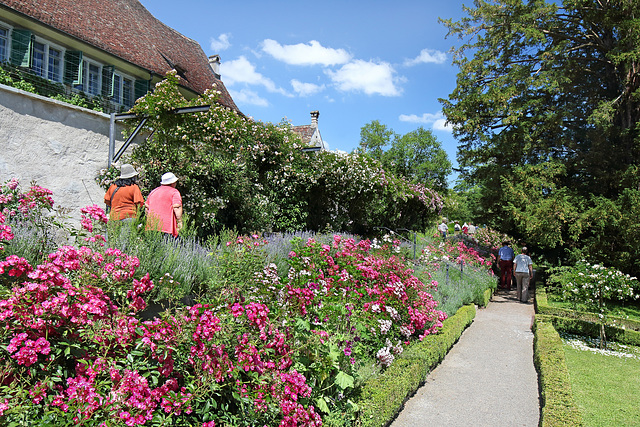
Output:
x,y
487,378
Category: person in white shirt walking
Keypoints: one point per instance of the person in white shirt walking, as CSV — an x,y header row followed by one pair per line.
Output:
x,y
443,228
524,273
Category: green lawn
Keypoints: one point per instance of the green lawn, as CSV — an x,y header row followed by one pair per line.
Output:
x,y
605,387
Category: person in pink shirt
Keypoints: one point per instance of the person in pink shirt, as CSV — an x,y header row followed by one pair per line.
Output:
x,y
164,207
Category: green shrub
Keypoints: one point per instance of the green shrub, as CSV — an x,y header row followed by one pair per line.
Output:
x,y
558,405
382,397
543,307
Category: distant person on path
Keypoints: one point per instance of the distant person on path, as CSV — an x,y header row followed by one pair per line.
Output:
x,y
124,196
505,263
164,207
472,229
456,228
465,228
443,228
524,273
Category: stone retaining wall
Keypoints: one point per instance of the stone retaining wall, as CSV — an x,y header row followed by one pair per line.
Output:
x,y
59,146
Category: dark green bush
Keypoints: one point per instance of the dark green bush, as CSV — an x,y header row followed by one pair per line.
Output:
x,y
558,405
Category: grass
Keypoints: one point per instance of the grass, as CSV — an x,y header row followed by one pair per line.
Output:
x,y
606,387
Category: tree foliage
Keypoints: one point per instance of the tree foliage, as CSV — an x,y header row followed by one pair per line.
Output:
x,y
418,155
252,176
546,110
374,136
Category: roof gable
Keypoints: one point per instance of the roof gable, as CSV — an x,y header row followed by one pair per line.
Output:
x,y
124,28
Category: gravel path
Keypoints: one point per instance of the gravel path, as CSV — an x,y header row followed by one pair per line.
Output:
x,y
487,378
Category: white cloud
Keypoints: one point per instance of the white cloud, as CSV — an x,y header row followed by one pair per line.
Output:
x,y
427,56
248,97
437,121
306,89
221,43
305,54
242,71
441,124
367,77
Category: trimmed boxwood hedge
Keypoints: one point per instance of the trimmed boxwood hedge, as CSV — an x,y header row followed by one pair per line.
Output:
x,y
558,406
382,397
581,323
543,307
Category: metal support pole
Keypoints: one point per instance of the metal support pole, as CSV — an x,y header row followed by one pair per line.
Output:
x,y
415,243
447,277
112,138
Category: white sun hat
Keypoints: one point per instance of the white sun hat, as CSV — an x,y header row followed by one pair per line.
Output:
x,y
168,178
127,171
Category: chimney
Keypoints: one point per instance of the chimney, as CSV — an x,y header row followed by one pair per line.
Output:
x,y
314,118
214,63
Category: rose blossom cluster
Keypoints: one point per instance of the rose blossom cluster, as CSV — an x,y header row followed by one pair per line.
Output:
x,y
376,290
51,311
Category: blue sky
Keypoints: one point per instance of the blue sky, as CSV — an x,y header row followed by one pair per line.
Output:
x,y
353,61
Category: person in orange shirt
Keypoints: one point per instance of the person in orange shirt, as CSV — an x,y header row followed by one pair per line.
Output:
x,y
124,196
164,206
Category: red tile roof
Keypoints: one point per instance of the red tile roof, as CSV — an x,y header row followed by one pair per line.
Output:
x,y
305,132
126,29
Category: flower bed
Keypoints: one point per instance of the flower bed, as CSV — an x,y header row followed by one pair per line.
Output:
x,y
263,345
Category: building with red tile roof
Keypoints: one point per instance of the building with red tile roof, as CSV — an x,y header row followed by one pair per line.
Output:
x,y
310,134
113,48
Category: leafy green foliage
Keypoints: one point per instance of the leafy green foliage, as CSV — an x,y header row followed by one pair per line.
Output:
x,y
546,110
594,285
374,136
417,156
252,176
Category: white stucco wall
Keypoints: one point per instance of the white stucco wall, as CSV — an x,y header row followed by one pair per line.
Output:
x,y
60,146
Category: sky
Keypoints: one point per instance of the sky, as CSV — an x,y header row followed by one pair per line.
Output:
x,y
353,61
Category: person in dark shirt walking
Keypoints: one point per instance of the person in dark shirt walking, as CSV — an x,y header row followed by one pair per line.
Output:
x,y
505,263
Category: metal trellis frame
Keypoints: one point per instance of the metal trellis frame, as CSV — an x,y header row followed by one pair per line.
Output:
x,y
143,119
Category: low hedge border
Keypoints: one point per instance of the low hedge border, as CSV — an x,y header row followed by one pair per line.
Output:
x,y
543,307
483,300
558,406
590,329
382,397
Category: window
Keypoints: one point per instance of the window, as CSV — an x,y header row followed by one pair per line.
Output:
x,y
54,71
4,44
91,76
38,59
127,92
117,88
46,61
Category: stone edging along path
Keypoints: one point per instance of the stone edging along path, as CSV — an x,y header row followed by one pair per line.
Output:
x,y
487,378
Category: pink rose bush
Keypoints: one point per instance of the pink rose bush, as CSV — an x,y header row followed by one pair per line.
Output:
x,y
269,346
454,252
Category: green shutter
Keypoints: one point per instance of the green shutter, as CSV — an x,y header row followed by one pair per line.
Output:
x,y
21,48
73,67
141,87
107,80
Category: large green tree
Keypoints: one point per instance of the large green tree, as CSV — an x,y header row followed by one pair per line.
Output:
x,y
546,109
374,137
419,156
